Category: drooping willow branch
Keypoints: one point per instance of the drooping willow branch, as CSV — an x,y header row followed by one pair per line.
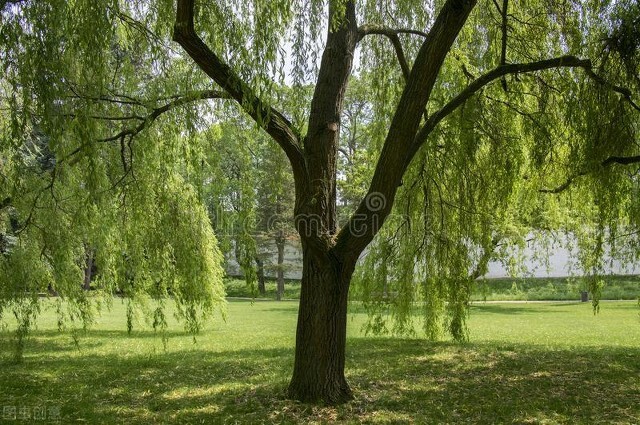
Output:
x,y
142,29
529,116
518,68
147,120
622,160
115,98
397,150
156,112
485,258
393,35
625,92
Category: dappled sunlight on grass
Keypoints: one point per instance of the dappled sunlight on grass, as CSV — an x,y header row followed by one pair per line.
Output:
x,y
237,372
480,383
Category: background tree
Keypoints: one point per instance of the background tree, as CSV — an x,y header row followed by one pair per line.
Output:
x,y
275,201
455,151
356,153
228,182
247,186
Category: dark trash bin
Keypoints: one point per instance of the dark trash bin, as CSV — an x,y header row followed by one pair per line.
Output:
x,y
584,296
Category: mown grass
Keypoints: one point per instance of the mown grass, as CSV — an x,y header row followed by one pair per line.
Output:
x,y
525,363
238,288
558,288
503,289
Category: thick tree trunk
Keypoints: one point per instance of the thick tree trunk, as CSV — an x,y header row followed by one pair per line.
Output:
x,y
318,373
280,242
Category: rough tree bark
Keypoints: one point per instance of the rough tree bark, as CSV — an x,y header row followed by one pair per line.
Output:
x,y
318,372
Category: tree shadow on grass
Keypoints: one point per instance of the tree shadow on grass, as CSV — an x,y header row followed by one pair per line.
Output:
x,y
50,341
395,381
487,383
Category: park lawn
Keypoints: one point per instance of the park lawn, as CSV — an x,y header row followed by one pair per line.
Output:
x,y
525,363
616,287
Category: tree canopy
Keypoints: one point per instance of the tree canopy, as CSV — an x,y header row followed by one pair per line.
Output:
x,y
467,127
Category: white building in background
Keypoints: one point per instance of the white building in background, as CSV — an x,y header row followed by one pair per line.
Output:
x,y
292,264
560,263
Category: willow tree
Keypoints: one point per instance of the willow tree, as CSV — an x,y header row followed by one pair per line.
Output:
x,y
472,105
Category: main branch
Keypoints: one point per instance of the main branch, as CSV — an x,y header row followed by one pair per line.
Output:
x,y
280,129
396,152
318,194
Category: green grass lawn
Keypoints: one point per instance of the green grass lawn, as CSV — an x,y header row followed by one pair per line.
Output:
x,y
238,288
525,363
502,289
553,288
